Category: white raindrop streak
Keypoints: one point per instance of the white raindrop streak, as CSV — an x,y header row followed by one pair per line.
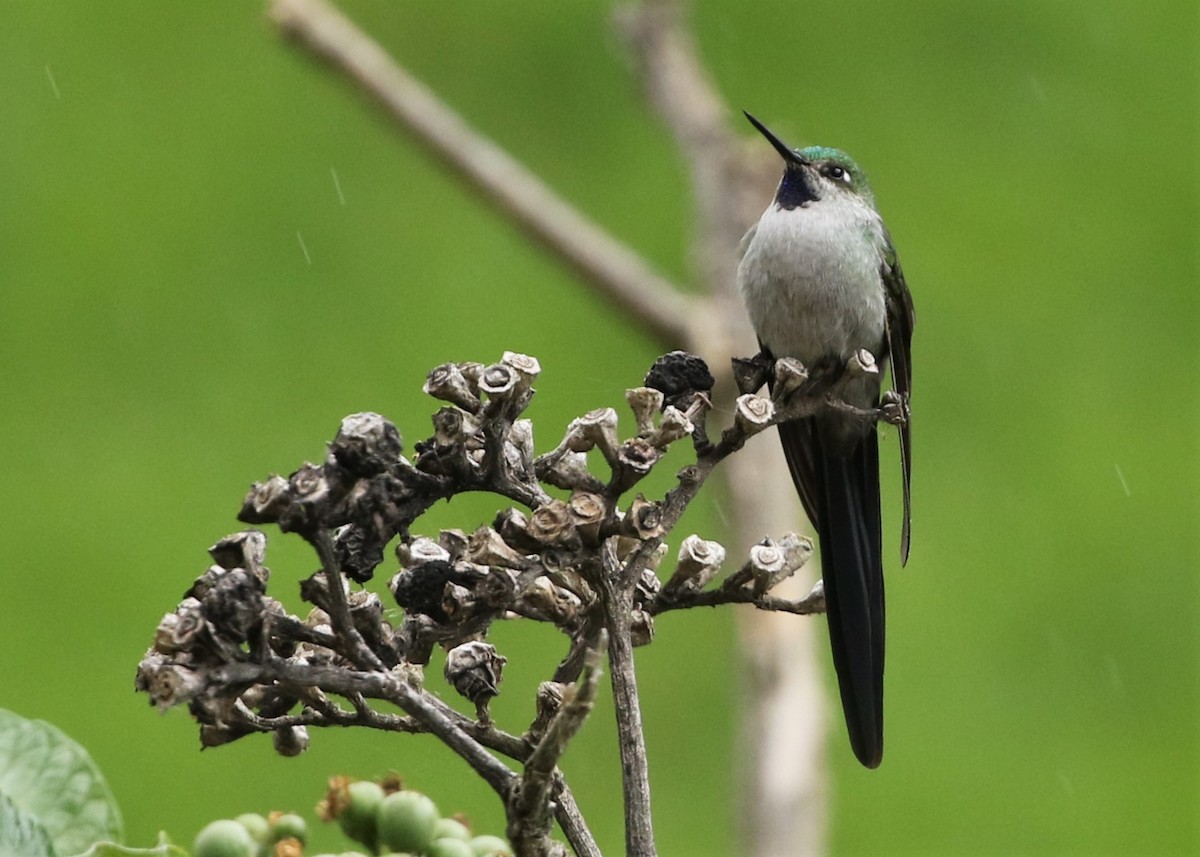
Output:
x,y
53,83
1121,476
337,185
304,247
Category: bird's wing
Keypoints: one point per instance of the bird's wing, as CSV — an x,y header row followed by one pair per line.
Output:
x,y
900,321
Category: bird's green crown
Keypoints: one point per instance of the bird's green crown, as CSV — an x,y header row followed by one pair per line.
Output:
x,y
828,161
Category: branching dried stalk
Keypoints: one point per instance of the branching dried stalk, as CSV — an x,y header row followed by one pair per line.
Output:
x,y
584,563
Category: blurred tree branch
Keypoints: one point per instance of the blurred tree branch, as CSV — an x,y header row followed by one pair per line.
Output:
x,y
781,785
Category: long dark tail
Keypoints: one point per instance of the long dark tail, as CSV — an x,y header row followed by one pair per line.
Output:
x,y
841,493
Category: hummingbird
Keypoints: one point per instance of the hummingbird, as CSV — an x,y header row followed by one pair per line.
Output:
x,y
821,282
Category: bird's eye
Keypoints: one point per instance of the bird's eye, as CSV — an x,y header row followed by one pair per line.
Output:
x,y
838,173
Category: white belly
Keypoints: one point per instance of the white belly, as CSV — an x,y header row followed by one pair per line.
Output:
x,y
811,280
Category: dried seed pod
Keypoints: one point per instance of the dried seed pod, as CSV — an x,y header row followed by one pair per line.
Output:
x,y
679,376
750,373
549,701
796,550
167,681
551,524
752,413
520,435
656,557
290,740
366,445
498,381
487,547
699,563
588,511
246,549
596,428
767,560
455,427
645,402
448,383
513,526
420,589
672,427
458,602
524,365
862,362
542,600
472,372
266,502
179,631
475,669
790,375
420,550
233,605
641,628
569,470
454,542
643,520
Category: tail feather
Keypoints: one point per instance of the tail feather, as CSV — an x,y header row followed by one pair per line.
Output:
x,y
846,500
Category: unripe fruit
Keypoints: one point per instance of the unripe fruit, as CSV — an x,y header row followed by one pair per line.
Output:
x,y
449,848
257,826
289,826
448,828
358,818
406,821
224,838
491,846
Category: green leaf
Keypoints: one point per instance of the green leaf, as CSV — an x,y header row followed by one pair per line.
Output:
x,y
53,779
21,835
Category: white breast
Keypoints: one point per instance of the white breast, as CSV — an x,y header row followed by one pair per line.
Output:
x,y
811,280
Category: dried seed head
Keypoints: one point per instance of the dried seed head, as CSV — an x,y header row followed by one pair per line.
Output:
x,y
549,701
487,547
266,502
753,413
588,511
794,550
550,524
455,427
790,375
679,376
641,628
421,550
245,549
449,383
290,740
644,519
597,428
520,435
366,445
750,373
672,427
454,542
475,669
524,365
420,589
699,562
179,631
570,471
645,402
498,381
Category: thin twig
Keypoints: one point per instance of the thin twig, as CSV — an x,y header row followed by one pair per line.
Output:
x,y
605,264
530,807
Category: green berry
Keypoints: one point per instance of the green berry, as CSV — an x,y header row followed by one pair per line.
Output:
x,y
257,826
449,848
448,828
224,838
358,818
290,826
491,846
406,821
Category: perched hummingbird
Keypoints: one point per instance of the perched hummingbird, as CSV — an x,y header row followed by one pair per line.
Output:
x,y
821,281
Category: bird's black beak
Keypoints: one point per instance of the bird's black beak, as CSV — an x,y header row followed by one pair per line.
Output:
x,y
790,156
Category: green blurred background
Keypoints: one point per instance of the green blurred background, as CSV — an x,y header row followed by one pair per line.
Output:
x,y
165,339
